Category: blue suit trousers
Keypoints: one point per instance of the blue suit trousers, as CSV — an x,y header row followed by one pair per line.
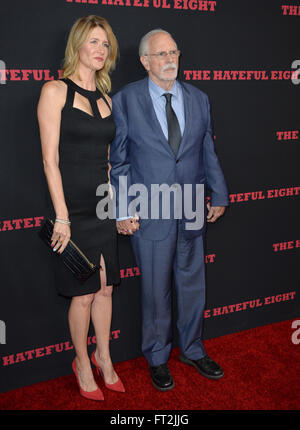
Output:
x,y
156,260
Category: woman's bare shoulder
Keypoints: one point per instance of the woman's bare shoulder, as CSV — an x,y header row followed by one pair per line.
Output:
x,y
54,92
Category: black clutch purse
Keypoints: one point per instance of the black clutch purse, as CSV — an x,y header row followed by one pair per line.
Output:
x,y
72,257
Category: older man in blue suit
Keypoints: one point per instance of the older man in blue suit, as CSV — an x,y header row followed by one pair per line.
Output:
x,y
164,136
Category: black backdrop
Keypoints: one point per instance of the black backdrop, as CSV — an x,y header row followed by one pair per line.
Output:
x,y
251,253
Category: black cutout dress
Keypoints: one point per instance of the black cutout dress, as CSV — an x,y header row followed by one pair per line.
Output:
x,y
83,163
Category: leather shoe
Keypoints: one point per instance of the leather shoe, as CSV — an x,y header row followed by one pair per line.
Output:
x,y
161,377
205,365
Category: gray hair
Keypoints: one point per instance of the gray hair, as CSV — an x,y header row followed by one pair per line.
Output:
x,y
144,43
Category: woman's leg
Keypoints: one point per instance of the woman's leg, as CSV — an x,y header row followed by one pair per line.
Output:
x,y
101,312
79,321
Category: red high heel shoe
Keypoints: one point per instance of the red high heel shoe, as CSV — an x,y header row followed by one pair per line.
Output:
x,y
91,395
117,386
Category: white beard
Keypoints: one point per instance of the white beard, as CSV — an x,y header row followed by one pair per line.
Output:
x,y
166,67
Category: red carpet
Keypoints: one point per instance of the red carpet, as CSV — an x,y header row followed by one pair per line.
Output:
x,y
261,367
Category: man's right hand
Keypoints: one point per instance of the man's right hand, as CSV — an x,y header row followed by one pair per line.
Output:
x,y
128,226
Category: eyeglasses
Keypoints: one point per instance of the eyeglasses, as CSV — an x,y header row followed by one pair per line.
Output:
x,y
164,54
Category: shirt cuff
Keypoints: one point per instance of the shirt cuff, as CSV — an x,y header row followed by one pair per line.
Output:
x,y
123,218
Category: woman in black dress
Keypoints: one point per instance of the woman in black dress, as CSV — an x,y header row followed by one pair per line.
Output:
x,y
76,128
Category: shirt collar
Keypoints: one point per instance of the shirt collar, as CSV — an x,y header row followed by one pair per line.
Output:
x,y
156,91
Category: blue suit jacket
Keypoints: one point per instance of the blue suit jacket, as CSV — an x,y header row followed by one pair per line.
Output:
x,y
141,152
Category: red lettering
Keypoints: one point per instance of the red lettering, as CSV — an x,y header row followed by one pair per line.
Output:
x,y
187,73
49,349
137,271
38,220
8,360
27,222
217,311
68,346
207,313
37,75
7,225
39,352
284,9
47,76
59,347
129,272
29,354
25,74
17,223
20,357
13,75
246,196
232,198
115,334
224,310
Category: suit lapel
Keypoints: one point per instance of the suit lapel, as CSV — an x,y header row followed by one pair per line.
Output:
x,y
187,117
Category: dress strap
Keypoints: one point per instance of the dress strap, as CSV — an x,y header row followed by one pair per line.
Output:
x,y
94,107
104,98
85,93
70,95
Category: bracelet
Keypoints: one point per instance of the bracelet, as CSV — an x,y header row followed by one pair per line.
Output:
x,y
63,221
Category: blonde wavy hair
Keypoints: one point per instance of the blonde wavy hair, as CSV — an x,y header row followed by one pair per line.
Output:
x,y
77,36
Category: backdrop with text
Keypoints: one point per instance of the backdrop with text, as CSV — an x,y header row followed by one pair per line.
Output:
x,y
244,55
